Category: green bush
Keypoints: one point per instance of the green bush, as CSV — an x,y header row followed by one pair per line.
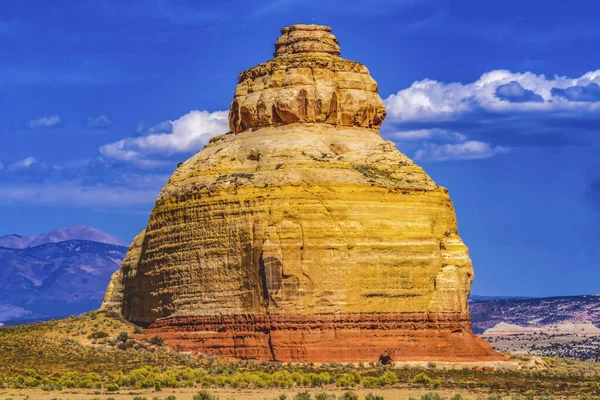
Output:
x,y
98,335
457,397
349,379
302,396
205,395
349,395
112,387
422,379
123,336
432,396
371,396
171,398
324,396
389,378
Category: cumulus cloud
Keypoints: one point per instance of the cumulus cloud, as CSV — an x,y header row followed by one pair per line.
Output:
x,y
186,134
496,113
498,91
469,150
589,93
100,122
44,122
515,93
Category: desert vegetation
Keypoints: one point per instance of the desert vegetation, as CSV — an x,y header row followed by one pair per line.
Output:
x,y
102,353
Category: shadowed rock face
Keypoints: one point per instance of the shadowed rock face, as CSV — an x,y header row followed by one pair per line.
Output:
x,y
302,235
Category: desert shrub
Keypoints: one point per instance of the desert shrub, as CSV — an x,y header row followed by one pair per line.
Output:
x,y
139,398
123,336
370,382
371,396
156,340
205,395
98,335
422,379
457,397
494,397
349,395
545,397
171,398
302,396
349,379
432,396
530,395
586,396
324,396
112,387
157,386
254,155
389,378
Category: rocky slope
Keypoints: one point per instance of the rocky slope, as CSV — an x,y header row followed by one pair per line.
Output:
x,y
55,279
302,235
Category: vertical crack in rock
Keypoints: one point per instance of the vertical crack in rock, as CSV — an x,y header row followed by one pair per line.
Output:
x,y
301,235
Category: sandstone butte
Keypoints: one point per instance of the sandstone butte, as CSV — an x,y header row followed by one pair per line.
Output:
x,y
301,235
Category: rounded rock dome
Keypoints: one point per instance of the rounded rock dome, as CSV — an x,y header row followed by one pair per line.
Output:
x,y
302,235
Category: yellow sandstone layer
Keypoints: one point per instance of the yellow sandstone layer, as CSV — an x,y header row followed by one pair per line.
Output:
x,y
303,230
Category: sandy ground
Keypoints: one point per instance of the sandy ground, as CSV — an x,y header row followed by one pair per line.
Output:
x,y
223,394
238,394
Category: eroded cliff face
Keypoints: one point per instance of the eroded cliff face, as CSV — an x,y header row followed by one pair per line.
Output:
x,y
302,235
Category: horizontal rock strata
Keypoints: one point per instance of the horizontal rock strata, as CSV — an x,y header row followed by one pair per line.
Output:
x,y
326,338
302,235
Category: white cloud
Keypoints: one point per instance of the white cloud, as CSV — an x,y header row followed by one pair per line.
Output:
x,y
428,134
26,162
431,100
469,150
44,122
99,122
186,134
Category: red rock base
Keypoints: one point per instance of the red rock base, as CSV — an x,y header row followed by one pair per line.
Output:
x,y
326,338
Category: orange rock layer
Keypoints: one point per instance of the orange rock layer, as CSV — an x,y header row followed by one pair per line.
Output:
x,y
326,338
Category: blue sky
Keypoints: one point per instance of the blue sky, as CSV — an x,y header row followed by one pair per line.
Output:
x,y
498,101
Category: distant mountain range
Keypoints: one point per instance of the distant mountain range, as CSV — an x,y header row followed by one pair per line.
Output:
x,y
58,273
14,241
535,312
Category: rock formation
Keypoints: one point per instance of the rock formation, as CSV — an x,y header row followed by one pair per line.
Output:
x,y
302,235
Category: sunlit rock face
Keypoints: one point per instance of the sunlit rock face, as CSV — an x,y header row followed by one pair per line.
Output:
x,y
302,235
